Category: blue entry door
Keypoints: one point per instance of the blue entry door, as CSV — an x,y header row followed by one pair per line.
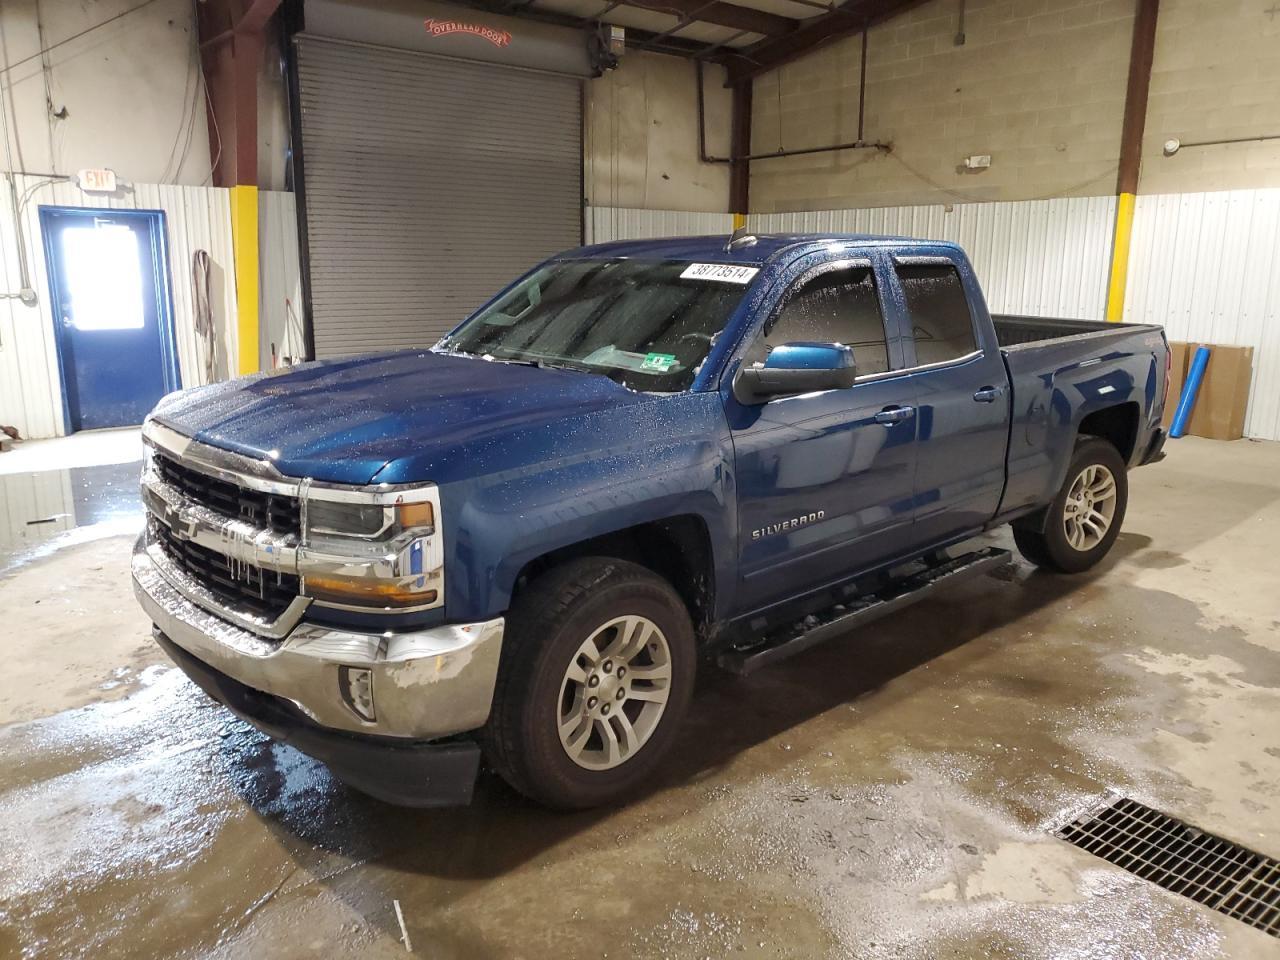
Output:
x,y
111,313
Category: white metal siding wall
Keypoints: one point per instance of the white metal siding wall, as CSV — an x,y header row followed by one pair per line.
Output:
x,y
28,496
431,183
1039,257
280,310
604,224
1207,267
195,218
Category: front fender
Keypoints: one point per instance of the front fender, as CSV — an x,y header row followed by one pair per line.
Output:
x,y
666,459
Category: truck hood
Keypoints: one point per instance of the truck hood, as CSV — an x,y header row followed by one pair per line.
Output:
x,y
398,414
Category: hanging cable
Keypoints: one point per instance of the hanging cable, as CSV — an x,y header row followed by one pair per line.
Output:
x,y
25,292
75,36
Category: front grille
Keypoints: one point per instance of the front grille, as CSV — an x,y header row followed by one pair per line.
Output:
x,y
240,586
1179,857
268,511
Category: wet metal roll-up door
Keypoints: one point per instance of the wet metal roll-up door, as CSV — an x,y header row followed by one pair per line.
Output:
x,y
430,184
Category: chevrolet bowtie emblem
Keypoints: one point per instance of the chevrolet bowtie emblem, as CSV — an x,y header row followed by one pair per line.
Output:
x,y
184,528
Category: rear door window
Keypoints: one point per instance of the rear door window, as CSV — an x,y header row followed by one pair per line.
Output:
x,y
837,306
937,312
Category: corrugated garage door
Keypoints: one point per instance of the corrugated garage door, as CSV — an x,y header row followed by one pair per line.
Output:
x,y
430,184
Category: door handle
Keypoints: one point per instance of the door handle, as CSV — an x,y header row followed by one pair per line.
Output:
x,y
989,394
895,414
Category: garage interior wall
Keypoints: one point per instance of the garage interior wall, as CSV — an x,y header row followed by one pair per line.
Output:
x,y
604,224
640,149
280,304
1038,87
1207,267
196,218
123,94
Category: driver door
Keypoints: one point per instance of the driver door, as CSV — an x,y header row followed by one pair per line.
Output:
x,y
825,480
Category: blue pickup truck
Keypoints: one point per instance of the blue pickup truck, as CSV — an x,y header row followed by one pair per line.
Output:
x,y
638,459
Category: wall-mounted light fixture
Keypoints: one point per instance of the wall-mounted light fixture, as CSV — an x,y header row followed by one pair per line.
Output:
x,y
1173,144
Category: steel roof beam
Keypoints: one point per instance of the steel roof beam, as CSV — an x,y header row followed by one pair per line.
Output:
x,y
852,17
724,15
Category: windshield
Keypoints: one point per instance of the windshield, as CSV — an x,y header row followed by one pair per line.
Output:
x,y
646,324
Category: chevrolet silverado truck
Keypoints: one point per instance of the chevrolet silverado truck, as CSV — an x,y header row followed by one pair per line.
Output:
x,y
638,459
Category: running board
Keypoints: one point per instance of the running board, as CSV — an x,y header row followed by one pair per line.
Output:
x,y
744,659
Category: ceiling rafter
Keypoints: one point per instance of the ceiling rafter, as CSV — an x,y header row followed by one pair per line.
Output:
x,y
723,15
852,17
676,46
785,38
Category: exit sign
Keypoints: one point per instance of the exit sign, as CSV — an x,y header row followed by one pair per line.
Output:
x,y
97,181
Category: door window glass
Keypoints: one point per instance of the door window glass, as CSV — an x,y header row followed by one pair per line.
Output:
x,y
103,277
941,324
838,306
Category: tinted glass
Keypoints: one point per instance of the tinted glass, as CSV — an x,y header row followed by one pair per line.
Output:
x,y
840,306
638,322
938,312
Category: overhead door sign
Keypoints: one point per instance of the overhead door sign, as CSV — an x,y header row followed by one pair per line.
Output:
x,y
440,28
724,272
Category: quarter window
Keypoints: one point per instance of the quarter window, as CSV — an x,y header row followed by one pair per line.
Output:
x,y
941,324
838,306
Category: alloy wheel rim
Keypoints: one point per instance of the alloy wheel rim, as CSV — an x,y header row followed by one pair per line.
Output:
x,y
614,692
1090,508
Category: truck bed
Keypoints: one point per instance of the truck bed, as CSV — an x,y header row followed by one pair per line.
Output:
x,y
1014,331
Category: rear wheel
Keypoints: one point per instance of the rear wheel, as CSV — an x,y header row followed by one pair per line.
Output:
x,y
1078,528
596,675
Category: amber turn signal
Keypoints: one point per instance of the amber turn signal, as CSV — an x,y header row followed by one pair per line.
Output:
x,y
367,592
416,515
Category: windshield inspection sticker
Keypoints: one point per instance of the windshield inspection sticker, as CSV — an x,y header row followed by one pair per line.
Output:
x,y
724,272
661,362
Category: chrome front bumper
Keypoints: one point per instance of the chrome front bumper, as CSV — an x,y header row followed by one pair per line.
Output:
x,y
426,684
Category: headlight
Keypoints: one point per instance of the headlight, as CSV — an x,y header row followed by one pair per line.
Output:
x,y
368,521
372,549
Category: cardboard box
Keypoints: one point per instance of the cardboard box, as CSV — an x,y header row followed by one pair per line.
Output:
x,y
1224,393
1179,357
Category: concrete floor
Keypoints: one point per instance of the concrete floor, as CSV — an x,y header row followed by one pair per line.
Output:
x,y
887,795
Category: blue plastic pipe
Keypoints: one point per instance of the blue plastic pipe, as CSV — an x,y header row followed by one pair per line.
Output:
x,y
1189,390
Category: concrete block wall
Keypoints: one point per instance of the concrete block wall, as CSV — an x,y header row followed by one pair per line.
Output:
x,y
1216,76
1038,84
640,144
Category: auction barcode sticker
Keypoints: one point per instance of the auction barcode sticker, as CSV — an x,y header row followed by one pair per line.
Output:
x,y
724,272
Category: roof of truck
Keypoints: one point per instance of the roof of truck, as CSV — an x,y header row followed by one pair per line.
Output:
x,y
714,248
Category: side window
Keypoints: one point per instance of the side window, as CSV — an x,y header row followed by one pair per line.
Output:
x,y
839,306
939,313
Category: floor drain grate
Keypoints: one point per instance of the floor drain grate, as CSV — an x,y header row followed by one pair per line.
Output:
x,y
1181,858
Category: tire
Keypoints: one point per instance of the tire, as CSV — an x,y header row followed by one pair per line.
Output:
x,y
596,604
1058,539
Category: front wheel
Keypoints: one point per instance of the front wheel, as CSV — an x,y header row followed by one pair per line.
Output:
x,y
593,685
1078,528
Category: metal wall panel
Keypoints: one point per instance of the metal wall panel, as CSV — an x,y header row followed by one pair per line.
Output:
x,y
431,183
1207,267
622,223
280,309
34,496
195,218
1037,257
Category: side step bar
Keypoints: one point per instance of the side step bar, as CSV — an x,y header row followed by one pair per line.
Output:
x,y
744,659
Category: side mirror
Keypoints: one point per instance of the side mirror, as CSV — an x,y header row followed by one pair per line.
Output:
x,y
795,368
